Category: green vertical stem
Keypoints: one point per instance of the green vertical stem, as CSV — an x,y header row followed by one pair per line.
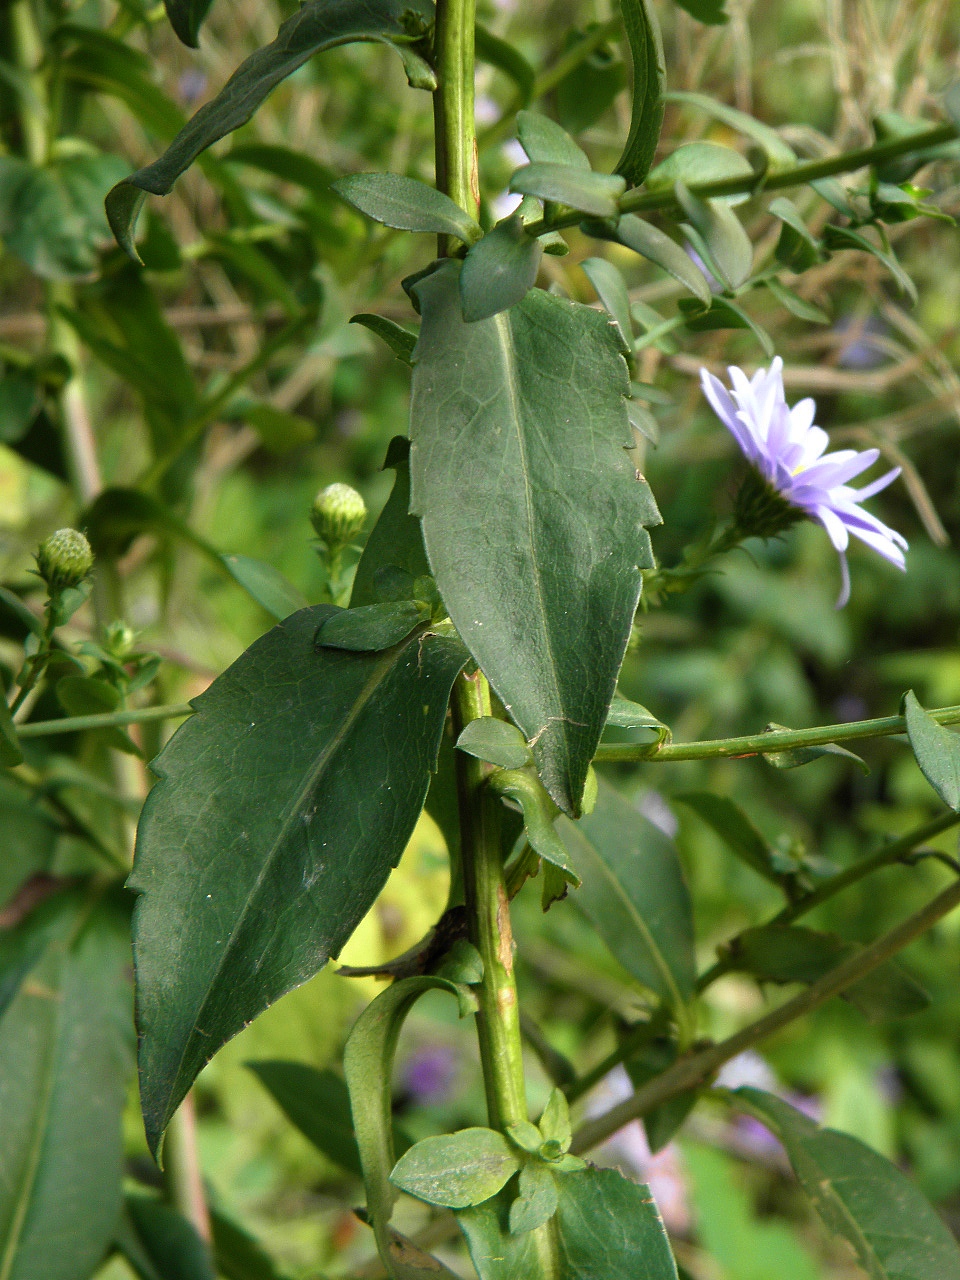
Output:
x,y
454,126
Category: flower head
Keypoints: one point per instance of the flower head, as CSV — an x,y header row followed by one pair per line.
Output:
x,y
786,450
64,560
338,515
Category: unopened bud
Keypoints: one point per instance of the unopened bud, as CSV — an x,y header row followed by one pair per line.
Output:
x,y
119,640
64,560
338,515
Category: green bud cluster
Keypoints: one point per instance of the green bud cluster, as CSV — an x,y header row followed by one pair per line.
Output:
x,y
338,515
760,510
64,560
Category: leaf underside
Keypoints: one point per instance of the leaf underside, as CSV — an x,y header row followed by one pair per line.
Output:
x,y
532,512
281,808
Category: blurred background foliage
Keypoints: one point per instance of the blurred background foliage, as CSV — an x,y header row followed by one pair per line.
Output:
x,y
224,379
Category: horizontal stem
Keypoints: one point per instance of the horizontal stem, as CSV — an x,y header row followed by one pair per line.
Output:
x,y
639,201
691,1071
759,744
104,720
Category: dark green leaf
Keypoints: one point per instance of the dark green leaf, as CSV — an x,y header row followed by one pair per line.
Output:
x,y
595,193
65,1059
284,163
612,292
536,1202
846,238
238,1255
10,753
506,58
895,1233
499,270
95,61
86,695
588,89
724,313
553,503
735,829
316,26
19,402
455,1170
661,1122
697,162
495,741
395,541
400,341
318,1103
656,246
168,1240
634,895
539,813
186,17
779,154
798,248
609,1228
707,11
546,143
937,751
797,756
407,204
649,75
371,627
728,245
790,953
284,735
796,305
279,430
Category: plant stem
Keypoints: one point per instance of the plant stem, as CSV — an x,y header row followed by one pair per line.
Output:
x,y
104,720
455,133
759,744
693,1070
639,201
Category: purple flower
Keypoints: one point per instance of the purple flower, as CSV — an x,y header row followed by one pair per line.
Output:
x,y
787,452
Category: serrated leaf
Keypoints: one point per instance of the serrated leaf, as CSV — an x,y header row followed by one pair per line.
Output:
x,y
657,247
65,1061
605,1224
634,895
395,542
735,829
552,501
318,1103
545,142
726,241
186,17
649,76
936,749
895,1233
779,154
266,584
316,26
536,1202
499,270
791,953
612,292
456,1170
407,204
495,741
595,193
269,807
400,341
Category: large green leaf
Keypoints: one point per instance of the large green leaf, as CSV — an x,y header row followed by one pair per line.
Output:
x,y
268,836
65,1059
316,26
895,1233
634,894
649,76
532,513
609,1228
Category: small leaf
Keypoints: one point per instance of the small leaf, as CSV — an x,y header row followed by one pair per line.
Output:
x,y
657,247
797,756
612,292
497,742
458,1169
595,193
936,749
895,1233
555,1121
779,154
498,53
407,204
266,585
186,17
400,341
525,1135
724,313
698,162
634,895
798,248
624,714
539,813
463,964
546,143
605,1224
372,627
846,238
796,305
536,1202
395,542
728,244
649,76
735,829
499,270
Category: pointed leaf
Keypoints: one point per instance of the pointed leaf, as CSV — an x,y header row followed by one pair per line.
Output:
x,y
455,1170
634,895
395,541
796,305
798,248
724,313
649,76
539,813
186,17
794,757
499,270
655,245
400,341
495,741
545,142
407,204
609,1228
846,238
595,193
735,829
779,154
537,1200
612,292
551,504
269,807
317,25
726,241
895,1233
266,584
937,751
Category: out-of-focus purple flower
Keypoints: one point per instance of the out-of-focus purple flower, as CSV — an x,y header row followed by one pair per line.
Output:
x,y
429,1073
862,350
786,451
191,86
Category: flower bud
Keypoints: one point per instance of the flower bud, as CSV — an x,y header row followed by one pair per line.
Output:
x,y
119,640
64,560
338,515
